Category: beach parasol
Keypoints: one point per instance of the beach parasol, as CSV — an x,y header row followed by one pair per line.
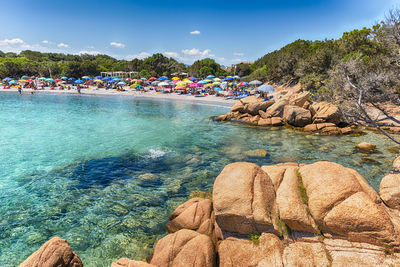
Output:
x,y
243,84
79,81
210,77
217,83
58,80
217,79
175,78
208,80
24,77
64,78
42,78
86,78
7,79
163,84
143,79
255,82
163,78
98,81
121,83
97,77
236,77
195,84
107,79
72,79
13,81
152,79
182,86
193,79
265,88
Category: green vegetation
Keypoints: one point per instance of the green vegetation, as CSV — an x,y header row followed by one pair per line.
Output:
x,y
283,229
303,193
255,238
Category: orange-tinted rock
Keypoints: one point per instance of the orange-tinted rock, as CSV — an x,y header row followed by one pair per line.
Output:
x,y
55,252
244,199
125,262
296,116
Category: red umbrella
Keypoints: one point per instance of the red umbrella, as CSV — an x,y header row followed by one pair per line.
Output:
x,y
58,80
152,79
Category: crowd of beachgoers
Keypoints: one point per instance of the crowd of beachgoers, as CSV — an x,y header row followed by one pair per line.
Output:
x,y
227,87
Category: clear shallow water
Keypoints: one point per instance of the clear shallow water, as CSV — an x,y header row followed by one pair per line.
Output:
x,y
105,172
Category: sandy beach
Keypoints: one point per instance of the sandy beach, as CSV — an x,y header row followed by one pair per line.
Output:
x,y
210,99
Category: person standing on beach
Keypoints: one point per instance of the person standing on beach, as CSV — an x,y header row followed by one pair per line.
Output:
x,y
78,88
20,90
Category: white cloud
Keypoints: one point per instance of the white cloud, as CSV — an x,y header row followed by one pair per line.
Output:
x,y
45,42
141,55
197,52
119,45
221,59
89,52
90,47
62,45
196,32
17,45
171,54
238,54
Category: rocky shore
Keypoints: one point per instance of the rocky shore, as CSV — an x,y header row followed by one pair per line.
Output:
x,y
319,214
289,108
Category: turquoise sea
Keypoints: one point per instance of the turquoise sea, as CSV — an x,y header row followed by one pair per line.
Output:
x,y
105,172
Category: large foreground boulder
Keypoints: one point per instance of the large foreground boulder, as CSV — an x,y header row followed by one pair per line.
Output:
x,y
184,248
54,253
275,110
255,107
341,202
296,116
244,199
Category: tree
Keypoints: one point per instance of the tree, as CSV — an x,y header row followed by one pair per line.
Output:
x,y
205,67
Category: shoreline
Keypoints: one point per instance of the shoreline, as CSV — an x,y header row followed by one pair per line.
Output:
x,y
206,100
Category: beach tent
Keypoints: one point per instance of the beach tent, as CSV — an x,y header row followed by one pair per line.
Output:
x,y
255,82
265,88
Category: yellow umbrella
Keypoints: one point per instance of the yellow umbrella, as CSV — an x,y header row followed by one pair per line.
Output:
x,y
98,81
182,86
176,78
186,79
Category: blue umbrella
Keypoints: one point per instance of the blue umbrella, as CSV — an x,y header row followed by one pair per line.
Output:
x,y
15,81
116,78
163,78
210,77
79,81
236,77
86,78
107,79
64,78
144,79
7,79
121,83
72,79
228,78
193,79
265,88
98,77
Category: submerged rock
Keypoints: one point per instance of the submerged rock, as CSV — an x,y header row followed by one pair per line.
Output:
x,y
125,262
366,146
261,153
55,252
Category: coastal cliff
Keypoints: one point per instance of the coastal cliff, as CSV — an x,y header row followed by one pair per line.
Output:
x,y
319,214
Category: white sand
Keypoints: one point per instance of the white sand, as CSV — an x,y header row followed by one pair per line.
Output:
x,y
221,101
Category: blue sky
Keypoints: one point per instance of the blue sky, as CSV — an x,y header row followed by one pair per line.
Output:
x,y
229,31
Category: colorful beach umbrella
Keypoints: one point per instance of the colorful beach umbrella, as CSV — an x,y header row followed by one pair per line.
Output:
x,y
243,84
107,79
86,78
64,78
163,84
121,83
163,78
255,82
24,77
175,78
79,81
152,79
265,88
210,77
195,85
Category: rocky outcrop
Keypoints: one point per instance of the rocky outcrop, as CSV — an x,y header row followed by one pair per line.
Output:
x,y
55,252
319,214
291,108
184,248
296,116
244,199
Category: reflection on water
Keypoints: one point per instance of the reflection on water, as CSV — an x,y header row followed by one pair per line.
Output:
x,y
105,172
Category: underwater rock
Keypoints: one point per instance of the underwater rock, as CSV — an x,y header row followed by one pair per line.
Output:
x,y
125,262
366,146
261,153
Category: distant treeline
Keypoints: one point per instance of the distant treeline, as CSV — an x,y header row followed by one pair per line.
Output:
x,y
33,63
